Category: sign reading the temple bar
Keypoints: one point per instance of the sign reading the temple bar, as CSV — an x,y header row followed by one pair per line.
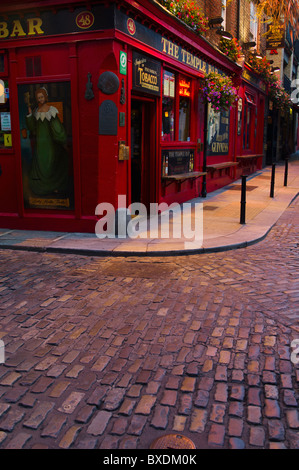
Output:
x,y
175,162
146,74
144,34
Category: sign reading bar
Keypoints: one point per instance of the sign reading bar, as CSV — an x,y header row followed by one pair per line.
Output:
x,y
146,74
62,22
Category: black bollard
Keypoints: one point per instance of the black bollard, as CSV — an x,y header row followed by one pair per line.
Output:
x,y
272,180
286,169
243,200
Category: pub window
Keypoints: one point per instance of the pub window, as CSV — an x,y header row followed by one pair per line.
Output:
x,y
248,121
168,107
5,121
184,110
3,64
176,108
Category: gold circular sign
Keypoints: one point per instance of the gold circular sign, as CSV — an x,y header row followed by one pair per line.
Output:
x,y
84,20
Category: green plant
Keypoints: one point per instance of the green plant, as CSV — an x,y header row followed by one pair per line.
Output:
x,y
260,66
219,91
231,48
278,95
189,12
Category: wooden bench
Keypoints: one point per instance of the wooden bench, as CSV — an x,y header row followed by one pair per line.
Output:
x,y
183,176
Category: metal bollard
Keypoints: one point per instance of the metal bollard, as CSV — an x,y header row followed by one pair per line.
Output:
x,y
243,200
272,180
286,169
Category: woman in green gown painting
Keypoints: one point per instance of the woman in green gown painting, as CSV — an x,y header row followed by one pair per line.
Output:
x,y
49,170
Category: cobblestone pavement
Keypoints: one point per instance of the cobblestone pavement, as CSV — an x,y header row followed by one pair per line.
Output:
x,y
113,353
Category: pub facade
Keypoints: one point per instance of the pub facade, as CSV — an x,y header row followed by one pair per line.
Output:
x,y
102,99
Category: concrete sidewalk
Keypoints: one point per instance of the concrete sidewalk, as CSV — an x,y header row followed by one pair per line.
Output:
x,y
221,223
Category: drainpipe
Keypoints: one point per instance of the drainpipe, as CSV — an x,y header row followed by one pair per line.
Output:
x,y
238,20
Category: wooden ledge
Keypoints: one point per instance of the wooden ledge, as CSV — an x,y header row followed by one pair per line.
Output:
x,y
184,176
249,156
220,166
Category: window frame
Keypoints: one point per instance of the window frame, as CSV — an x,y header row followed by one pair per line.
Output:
x,y
178,75
250,106
4,74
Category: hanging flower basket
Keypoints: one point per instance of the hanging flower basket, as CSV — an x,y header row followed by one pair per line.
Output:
x,y
231,48
260,66
277,94
189,12
218,90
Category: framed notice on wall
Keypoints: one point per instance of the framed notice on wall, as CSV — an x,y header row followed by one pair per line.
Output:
x,y
177,161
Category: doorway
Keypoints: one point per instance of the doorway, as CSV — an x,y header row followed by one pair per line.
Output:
x,y
143,155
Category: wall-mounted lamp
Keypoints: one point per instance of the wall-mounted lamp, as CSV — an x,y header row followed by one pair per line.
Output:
x,y
215,21
274,69
257,55
224,34
248,45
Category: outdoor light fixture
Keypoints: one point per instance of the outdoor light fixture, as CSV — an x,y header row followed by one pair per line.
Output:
x,y
257,55
248,45
224,34
274,69
215,21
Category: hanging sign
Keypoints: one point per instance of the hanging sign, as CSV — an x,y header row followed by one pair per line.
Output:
x,y
275,37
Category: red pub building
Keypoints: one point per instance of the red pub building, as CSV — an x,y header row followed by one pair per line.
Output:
x,y
101,99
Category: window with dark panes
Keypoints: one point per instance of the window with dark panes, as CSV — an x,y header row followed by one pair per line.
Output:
x,y
2,63
249,121
184,110
168,107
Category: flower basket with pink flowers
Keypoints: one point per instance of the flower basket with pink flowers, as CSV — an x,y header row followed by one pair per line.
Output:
x,y
218,90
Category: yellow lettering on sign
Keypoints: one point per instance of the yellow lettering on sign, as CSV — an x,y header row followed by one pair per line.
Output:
x,y
17,29
34,26
3,30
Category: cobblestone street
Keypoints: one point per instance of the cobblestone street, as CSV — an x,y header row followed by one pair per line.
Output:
x,y
112,353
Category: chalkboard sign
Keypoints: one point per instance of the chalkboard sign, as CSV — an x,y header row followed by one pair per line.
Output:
x,y
175,162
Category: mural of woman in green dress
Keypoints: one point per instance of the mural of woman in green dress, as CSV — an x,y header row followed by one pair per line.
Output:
x,y
49,171
46,165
